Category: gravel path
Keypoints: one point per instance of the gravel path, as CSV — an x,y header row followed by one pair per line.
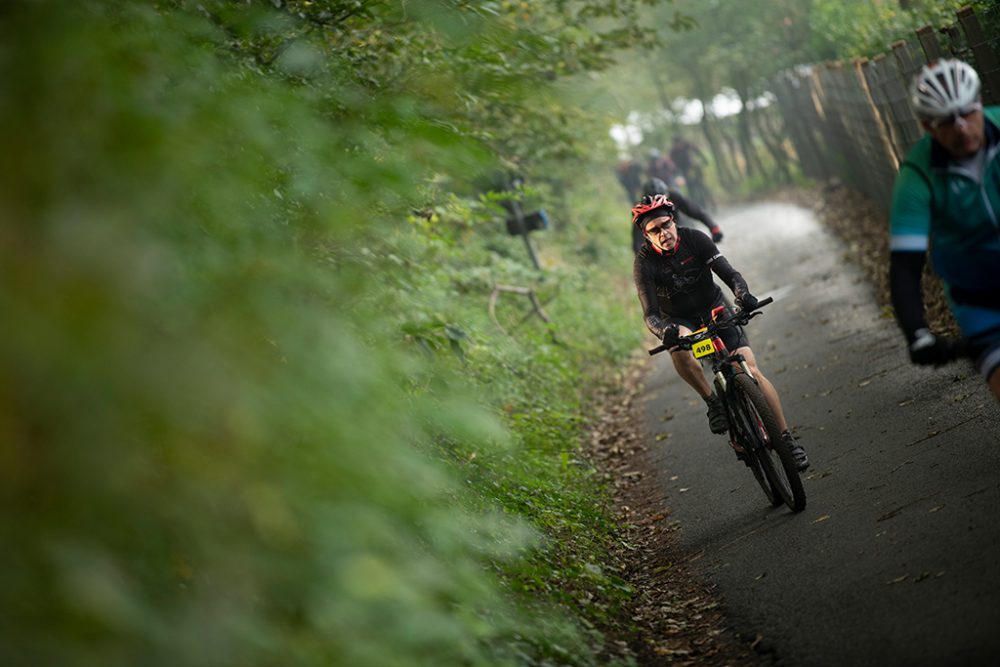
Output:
x,y
893,561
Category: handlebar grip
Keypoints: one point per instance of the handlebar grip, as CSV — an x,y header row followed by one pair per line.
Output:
x,y
764,302
657,349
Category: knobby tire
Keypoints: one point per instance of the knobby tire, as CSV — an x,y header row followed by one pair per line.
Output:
x,y
739,432
781,473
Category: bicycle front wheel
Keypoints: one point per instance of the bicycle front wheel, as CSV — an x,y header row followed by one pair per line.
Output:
x,y
765,440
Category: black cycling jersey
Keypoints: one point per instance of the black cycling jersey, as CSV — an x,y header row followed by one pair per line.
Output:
x,y
679,284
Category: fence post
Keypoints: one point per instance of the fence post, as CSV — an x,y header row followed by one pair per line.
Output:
x,y
929,42
906,64
987,63
870,77
908,130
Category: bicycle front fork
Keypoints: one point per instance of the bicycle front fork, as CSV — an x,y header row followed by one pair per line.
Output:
x,y
720,378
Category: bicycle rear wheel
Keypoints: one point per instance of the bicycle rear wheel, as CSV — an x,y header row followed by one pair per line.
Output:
x,y
765,440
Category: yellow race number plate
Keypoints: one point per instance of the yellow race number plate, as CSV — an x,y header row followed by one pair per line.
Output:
x,y
703,348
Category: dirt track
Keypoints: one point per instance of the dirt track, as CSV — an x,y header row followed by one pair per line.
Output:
x,y
893,561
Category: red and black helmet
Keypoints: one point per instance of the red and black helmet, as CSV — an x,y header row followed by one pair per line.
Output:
x,y
652,207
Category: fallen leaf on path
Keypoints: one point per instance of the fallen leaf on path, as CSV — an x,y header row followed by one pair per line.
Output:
x,y
822,518
897,580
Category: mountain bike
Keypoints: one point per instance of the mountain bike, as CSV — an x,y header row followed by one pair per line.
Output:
x,y
753,428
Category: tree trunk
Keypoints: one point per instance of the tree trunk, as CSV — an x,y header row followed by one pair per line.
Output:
x,y
721,164
739,162
661,89
754,165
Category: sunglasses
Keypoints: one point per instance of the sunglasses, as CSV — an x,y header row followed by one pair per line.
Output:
x,y
953,118
659,229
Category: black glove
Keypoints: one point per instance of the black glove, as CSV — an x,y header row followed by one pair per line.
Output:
x,y
747,302
930,350
716,233
671,336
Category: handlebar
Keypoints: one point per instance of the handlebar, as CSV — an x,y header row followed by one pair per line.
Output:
x,y
738,318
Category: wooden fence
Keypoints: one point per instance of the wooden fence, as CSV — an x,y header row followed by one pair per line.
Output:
x,y
853,120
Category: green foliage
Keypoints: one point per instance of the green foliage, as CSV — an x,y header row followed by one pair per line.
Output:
x,y
842,29
254,412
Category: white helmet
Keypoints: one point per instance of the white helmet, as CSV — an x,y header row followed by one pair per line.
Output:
x,y
944,87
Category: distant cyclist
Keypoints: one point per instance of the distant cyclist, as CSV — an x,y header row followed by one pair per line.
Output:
x,y
684,154
690,161
691,209
662,167
673,277
947,199
629,173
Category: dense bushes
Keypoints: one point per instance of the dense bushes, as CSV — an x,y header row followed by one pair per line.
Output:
x,y
252,411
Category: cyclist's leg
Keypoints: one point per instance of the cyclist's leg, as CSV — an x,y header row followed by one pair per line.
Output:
x,y
766,388
689,368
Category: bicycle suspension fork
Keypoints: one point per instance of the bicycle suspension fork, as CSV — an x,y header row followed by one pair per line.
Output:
x,y
721,384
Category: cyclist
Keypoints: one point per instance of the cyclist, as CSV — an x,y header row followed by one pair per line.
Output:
x,y
660,166
683,153
629,174
673,276
947,198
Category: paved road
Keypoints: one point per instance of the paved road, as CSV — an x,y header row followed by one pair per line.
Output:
x,y
896,558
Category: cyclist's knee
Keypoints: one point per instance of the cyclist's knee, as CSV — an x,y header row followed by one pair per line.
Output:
x,y
749,357
684,357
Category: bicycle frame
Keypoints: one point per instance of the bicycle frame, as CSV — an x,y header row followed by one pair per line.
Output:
x,y
707,342
753,430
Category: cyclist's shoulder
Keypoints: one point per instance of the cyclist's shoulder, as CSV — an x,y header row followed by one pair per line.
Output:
x,y
691,234
644,256
920,154
697,241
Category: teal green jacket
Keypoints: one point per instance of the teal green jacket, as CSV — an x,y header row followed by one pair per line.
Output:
x,y
954,213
